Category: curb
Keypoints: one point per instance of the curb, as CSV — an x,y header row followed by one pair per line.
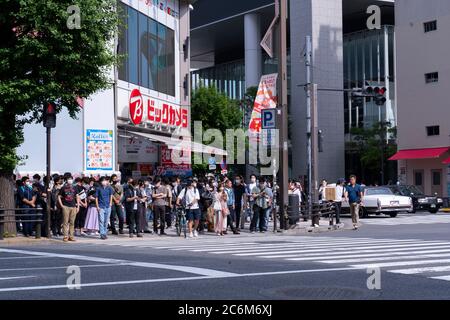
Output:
x,y
27,241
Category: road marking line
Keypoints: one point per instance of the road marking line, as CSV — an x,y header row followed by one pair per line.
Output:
x,y
422,256
421,270
64,267
342,248
354,255
21,277
401,263
445,278
260,246
200,271
128,282
14,258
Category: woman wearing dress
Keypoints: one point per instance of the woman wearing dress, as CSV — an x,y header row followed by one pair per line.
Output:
x,y
220,210
91,224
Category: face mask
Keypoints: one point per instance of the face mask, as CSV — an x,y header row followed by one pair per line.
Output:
x,y
69,181
28,184
104,183
237,181
253,180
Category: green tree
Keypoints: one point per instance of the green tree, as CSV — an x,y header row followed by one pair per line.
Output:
x,y
45,55
373,148
216,111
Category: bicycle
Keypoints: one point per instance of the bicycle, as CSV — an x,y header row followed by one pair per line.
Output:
x,y
181,222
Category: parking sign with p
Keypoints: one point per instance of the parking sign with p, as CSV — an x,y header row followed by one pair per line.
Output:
x,y
268,117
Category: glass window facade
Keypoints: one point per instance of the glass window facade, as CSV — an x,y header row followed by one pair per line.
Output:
x,y
229,78
148,50
365,61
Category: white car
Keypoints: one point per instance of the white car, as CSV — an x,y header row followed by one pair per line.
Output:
x,y
378,200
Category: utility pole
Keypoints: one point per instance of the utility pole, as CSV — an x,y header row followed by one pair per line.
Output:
x,y
308,56
282,78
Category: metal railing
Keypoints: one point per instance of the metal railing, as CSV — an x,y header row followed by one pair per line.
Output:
x,y
38,215
318,210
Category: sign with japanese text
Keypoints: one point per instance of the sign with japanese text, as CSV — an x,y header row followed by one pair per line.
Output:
x,y
99,149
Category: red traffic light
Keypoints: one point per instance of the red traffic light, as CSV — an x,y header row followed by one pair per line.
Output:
x,y
50,109
380,90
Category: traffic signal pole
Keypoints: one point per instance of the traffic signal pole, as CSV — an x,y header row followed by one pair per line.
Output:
x,y
282,76
308,56
47,183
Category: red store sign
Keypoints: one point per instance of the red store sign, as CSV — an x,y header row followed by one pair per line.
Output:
x,y
164,114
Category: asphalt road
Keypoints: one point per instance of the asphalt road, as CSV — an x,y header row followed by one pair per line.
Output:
x,y
411,252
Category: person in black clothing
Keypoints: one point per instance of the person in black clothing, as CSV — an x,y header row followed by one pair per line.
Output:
x,y
55,210
81,216
27,200
132,208
239,191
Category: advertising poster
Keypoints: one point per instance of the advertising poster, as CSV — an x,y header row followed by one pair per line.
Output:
x,y
266,98
168,168
99,149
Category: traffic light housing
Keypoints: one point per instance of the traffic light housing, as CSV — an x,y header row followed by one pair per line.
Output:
x,y
357,99
49,119
380,95
377,93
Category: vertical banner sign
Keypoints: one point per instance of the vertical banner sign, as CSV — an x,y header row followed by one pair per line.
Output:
x,y
99,149
266,98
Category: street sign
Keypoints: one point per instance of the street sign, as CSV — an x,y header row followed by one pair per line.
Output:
x,y
268,117
212,161
268,137
267,41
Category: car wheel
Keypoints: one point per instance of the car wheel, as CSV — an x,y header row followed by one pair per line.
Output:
x,y
412,211
393,214
433,211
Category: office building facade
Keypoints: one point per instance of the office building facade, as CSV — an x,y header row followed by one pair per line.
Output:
x,y
226,53
423,80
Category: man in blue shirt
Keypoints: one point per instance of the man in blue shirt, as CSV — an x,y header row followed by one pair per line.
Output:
x,y
231,218
104,200
354,195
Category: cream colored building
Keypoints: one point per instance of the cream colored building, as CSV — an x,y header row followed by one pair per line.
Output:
x,y
423,87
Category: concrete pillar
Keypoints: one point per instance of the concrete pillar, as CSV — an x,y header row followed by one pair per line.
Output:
x,y
252,39
322,20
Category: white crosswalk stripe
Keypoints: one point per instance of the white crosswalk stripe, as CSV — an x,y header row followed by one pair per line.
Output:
x,y
408,219
429,258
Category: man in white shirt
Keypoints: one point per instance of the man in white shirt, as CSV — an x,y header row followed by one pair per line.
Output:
x,y
189,197
340,193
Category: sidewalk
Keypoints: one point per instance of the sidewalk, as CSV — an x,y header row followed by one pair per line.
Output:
x,y
302,228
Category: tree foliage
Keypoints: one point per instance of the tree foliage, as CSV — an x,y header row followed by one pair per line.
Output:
x,y
42,60
371,144
215,110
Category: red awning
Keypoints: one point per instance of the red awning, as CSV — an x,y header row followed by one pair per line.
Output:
x,y
419,153
446,161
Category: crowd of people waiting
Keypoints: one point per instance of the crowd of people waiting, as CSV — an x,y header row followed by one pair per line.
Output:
x,y
89,206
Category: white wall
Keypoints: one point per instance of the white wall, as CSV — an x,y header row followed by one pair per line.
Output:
x,y
67,151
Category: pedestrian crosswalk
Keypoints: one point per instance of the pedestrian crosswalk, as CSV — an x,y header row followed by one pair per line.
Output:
x,y
429,258
413,219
